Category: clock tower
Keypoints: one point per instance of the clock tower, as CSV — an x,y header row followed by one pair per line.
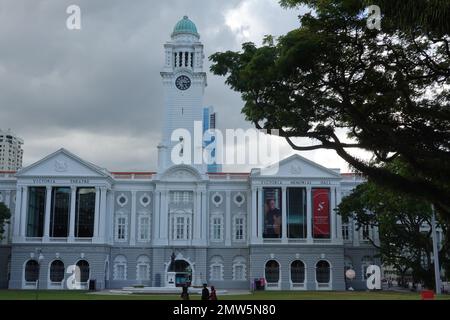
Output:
x,y
184,82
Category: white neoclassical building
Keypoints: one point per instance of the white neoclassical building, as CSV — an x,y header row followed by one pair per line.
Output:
x,y
182,224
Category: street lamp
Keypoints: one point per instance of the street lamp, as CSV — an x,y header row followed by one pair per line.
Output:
x,y
40,259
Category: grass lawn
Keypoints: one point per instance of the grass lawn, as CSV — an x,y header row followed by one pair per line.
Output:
x,y
266,295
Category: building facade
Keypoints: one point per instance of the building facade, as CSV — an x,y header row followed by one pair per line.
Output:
x,y
11,152
134,228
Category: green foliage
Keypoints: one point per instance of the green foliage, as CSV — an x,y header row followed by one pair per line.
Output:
x,y
388,90
5,215
404,225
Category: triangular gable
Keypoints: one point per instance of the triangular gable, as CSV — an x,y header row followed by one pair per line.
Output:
x,y
297,166
62,163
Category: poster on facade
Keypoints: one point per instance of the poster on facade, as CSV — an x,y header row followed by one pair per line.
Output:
x,y
321,213
272,213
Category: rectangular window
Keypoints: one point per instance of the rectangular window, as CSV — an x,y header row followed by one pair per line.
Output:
x,y
120,272
121,227
144,228
345,232
216,272
142,272
239,228
85,213
36,211
239,273
296,213
365,232
60,212
217,228
272,213
180,229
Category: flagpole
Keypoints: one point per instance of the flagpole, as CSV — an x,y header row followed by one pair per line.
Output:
x,y
437,272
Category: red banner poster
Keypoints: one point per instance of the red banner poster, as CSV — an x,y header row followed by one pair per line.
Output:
x,y
321,213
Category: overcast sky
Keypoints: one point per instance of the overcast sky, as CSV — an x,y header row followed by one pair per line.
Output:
x,y
97,91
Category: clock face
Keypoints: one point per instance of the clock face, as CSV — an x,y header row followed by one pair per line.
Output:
x,y
183,83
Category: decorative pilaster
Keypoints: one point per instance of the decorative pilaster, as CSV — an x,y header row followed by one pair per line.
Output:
x,y
228,218
102,223
73,201
254,215
309,218
23,213
284,215
133,219
333,214
96,212
48,204
260,214
17,211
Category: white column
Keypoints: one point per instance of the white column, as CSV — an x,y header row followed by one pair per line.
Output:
x,y
7,226
309,225
333,214
164,217
156,215
204,220
133,219
228,218
73,201
17,212
102,223
355,233
96,212
109,231
197,216
260,214
23,213
284,215
253,215
338,216
48,205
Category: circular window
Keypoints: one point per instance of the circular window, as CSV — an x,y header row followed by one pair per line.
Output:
x,y
239,199
145,200
217,199
122,200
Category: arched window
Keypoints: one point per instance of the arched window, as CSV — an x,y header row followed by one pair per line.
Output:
x,y
31,271
297,271
366,261
272,271
323,272
84,270
239,269
143,268
120,268
216,268
57,271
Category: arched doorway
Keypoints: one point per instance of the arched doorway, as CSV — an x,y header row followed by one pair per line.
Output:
x,y
183,272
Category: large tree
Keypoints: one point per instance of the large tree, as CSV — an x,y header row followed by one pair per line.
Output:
x,y
5,215
404,225
388,90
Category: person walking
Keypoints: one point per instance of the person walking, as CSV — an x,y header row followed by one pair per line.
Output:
x,y
213,295
205,292
185,293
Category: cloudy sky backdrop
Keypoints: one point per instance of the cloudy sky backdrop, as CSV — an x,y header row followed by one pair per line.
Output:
x,y
97,92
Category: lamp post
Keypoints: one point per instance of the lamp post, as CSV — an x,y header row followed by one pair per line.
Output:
x,y
437,271
40,259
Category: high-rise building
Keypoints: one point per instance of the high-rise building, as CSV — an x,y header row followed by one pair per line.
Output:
x,y
11,152
209,122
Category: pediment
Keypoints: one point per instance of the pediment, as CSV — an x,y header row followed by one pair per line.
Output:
x,y
181,173
62,163
297,166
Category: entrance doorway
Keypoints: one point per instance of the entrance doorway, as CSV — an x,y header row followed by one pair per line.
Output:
x,y
183,272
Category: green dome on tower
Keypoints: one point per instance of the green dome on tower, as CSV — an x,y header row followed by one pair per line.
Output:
x,y
185,26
